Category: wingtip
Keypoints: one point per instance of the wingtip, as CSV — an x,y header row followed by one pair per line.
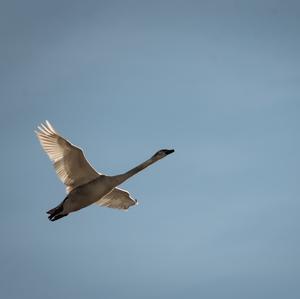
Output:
x,y
46,128
49,125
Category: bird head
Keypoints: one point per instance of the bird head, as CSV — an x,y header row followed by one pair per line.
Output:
x,y
162,153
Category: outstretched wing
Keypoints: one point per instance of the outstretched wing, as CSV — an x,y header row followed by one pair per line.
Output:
x,y
69,162
117,199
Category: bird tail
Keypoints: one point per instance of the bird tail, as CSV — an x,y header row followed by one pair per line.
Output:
x,y
55,213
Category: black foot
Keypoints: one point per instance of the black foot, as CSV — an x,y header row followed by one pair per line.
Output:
x,y
53,218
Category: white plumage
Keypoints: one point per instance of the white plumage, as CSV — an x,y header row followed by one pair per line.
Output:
x,y
84,185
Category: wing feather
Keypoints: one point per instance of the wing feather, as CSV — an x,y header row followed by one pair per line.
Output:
x,y
69,161
117,199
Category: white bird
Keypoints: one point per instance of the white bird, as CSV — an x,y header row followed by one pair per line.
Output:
x,y
84,185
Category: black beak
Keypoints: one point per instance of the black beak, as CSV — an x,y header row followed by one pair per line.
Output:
x,y
169,151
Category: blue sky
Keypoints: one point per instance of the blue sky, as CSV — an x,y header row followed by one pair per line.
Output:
x,y
216,80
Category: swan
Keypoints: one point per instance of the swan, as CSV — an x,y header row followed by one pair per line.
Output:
x,y
84,185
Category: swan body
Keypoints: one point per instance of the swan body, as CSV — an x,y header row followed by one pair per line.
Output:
x,y
87,194
84,185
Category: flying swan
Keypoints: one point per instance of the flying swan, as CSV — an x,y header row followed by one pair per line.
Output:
x,y
84,185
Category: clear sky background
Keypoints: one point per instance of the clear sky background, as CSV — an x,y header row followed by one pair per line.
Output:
x,y
216,80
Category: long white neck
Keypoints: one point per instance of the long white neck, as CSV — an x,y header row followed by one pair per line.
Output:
x,y
125,176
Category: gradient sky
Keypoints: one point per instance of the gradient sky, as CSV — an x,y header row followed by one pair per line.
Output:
x,y
216,80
